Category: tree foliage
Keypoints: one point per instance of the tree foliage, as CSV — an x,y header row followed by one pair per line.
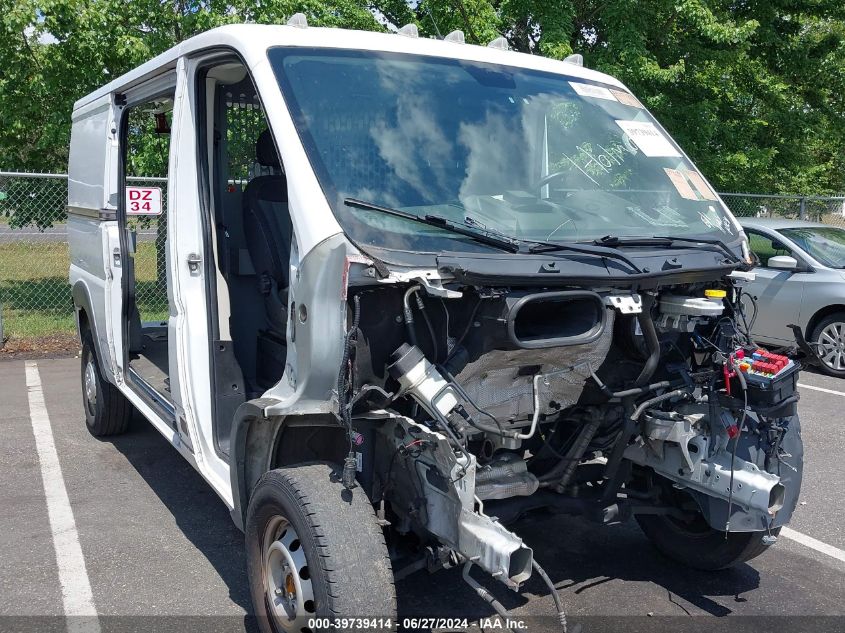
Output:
x,y
754,90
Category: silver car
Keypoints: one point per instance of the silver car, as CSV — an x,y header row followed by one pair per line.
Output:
x,y
800,279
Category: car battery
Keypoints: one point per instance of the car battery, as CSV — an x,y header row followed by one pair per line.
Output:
x,y
770,379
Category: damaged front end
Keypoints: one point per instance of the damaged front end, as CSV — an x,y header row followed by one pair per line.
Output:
x,y
478,404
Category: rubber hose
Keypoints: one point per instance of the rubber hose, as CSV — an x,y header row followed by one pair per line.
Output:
x,y
484,594
652,344
555,596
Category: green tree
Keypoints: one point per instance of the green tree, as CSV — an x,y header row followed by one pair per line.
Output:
x,y
753,91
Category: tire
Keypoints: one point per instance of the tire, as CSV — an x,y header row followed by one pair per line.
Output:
x,y
699,546
828,338
336,548
107,411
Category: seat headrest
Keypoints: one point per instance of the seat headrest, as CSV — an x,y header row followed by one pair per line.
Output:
x,y
265,151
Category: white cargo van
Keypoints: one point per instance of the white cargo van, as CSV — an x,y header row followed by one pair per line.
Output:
x,y
414,290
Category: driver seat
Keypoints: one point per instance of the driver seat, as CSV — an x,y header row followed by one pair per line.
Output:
x,y
268,232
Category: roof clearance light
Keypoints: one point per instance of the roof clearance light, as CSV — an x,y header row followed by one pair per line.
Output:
x,y
409,30
575,58
298,20
456,36
500,42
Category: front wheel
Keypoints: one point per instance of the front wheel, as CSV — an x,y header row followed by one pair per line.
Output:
x,y
695,544
315,553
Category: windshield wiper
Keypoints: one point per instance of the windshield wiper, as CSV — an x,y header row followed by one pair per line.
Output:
x,y
483,236
587,249
660,240
703,240
613,241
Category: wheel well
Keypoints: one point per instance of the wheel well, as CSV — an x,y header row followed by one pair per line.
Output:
x,y
821,314
83,324
261,444
310,443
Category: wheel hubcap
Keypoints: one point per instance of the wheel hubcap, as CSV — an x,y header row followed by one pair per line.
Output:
x,y
287,582
90,385
831,346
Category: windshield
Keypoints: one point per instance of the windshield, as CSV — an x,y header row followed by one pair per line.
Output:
x,y
527,154
824,244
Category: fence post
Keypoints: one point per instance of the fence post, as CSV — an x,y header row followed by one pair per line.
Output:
x,y
802,211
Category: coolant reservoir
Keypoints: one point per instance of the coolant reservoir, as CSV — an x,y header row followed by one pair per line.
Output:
x,y
680,305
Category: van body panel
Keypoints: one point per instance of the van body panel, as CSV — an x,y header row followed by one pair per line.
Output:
x,y
89,268
89,177
316,332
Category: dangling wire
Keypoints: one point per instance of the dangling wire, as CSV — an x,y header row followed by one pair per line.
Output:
x,y
350,463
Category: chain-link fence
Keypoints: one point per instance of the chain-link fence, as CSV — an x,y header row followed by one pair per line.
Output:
x,y
35,299
827,209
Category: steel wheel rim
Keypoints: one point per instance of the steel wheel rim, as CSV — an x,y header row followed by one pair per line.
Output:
x,y
831,346
288,592
90,386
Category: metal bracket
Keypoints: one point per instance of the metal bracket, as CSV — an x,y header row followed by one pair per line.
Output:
x,y
194,262
430,280
435,288
626,304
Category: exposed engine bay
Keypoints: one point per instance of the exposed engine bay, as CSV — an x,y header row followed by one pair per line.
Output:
x,y
469,407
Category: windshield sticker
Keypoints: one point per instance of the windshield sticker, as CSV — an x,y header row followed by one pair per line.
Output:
x,y
648,138
626,98
681,184
588,90
700,184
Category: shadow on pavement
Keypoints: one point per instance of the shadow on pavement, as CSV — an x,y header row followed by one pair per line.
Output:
x,y
199,513
579,559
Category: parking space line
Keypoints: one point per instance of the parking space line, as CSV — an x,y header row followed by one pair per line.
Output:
x,y
809,541
822,389
77,597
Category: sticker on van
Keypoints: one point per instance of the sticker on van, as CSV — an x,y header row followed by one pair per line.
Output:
x,y
701,185
589,90
626,98
682,186
143,201
648,138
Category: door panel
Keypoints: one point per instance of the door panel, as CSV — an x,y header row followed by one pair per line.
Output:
x,y
189,325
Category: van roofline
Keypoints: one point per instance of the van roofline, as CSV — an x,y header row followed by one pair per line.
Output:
x,y
251,41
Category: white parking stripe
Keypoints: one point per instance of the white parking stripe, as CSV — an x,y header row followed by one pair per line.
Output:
x,y
76,588
809,541
822,389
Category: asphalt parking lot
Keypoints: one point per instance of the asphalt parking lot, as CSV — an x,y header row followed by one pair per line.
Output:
x,y
157,542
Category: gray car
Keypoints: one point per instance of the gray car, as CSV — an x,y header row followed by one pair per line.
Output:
x,y
800,279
